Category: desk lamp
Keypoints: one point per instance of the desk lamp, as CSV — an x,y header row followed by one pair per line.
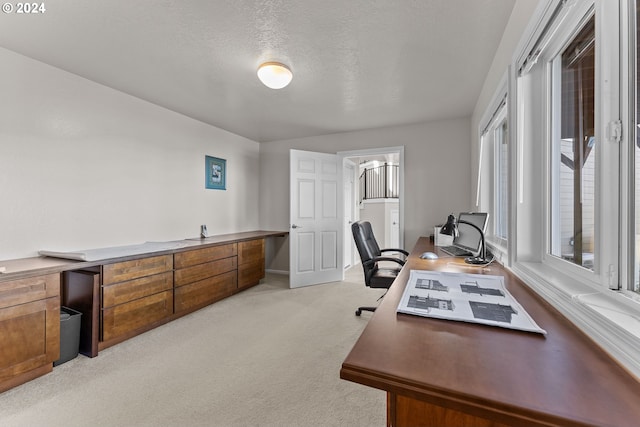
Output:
x,y
451,229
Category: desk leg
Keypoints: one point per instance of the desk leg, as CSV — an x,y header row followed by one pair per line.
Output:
x,y
404,411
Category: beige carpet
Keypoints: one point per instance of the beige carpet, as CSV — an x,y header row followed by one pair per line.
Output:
x,y
269,356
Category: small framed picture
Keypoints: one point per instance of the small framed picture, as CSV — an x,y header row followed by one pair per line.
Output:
x,y
215,173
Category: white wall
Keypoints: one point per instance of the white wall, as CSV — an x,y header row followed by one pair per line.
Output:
x,y
432,152
84,166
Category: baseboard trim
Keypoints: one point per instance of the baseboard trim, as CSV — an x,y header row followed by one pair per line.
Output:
x,y
282,272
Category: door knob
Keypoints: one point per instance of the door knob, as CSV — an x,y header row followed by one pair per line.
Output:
x,y
295,226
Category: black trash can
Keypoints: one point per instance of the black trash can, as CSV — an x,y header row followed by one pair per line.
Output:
x,y
69,335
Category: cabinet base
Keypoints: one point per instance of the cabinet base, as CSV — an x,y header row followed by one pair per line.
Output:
x,y
25,377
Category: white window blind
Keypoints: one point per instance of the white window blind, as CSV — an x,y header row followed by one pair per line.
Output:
x,y
549,21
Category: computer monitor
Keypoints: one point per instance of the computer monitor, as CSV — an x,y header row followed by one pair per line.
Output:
x,y
468,237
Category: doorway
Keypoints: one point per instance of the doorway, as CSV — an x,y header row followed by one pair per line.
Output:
x,y
322,210
383,205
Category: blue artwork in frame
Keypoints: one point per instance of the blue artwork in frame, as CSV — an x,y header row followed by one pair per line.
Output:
x,y
215,173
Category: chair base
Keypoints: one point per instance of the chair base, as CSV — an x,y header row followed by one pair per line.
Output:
x,y
361,309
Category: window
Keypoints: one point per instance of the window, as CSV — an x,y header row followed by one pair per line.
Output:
x,y
576,167
579,71
635,138
568,168
493,177
574,151
500,206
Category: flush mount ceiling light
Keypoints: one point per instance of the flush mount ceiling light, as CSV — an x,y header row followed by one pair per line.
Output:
x,y
274,75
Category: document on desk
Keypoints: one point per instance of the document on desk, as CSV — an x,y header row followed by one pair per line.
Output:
x,y
476,298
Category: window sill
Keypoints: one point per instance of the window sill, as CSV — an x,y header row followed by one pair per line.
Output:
x,y
608,317
499,252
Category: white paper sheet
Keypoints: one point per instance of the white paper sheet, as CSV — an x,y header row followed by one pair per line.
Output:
x,y
476,298
116,251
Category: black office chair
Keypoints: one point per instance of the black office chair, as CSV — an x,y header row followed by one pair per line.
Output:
x,y
370,255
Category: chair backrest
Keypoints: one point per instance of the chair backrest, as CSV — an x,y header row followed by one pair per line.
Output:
x,y
371,238
367,247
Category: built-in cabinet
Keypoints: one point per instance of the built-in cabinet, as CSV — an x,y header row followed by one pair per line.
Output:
x,y
118,298
29,328
141,294
251,263
204,276
136,296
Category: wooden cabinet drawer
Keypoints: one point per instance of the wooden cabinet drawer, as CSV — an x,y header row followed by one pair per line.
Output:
x,y
204,292
250,251
26,290
138,288
199,256
140,313
250,274
127,270
250,263
29,336
203,271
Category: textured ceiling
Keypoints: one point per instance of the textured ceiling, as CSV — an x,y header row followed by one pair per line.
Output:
x,y
357,64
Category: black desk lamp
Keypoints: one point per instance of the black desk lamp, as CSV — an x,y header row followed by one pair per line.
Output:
x,y
451,229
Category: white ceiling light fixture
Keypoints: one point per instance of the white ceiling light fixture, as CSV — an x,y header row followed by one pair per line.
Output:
x,y
274,75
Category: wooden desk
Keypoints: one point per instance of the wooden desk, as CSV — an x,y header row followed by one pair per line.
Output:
x,y
446,373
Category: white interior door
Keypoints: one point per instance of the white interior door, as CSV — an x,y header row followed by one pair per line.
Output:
x,y
394,229
348,175
315,239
